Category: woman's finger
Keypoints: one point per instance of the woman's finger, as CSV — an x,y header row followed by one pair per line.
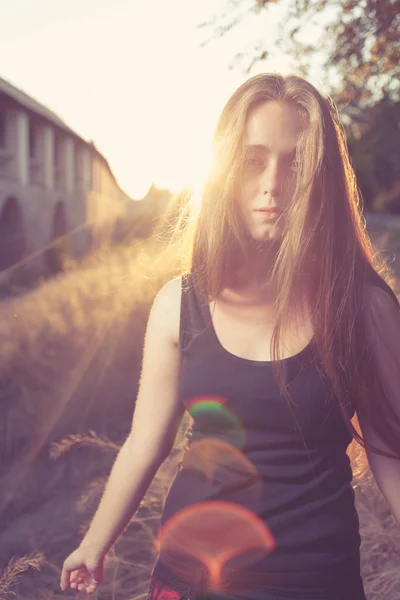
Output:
x,y
92,587
83,590
65,579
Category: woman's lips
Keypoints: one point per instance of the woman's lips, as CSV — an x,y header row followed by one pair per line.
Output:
x,y
268,213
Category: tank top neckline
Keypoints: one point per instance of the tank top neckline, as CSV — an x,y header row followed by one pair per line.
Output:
x,y
205,306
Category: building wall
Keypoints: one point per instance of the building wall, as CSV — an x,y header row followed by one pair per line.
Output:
x,y
41,166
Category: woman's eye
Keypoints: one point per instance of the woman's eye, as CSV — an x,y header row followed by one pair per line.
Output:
x,y
294,166
253,162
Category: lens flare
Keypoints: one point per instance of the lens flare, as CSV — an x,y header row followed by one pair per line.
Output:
x,y
224,465
213,533
212,417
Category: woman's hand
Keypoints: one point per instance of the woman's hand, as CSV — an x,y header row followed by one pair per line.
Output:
x,y
82,572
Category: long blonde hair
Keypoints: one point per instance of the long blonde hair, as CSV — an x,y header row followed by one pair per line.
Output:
x,y
326,244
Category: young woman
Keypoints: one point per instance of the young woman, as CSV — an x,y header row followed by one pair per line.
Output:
x,y
284,329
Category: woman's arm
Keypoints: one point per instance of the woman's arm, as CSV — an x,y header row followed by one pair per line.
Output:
x,y
156,419
383,329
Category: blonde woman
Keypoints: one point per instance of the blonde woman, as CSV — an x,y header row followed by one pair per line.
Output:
x,y
283,331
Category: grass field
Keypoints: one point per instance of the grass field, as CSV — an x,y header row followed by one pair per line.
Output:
x,y
70,362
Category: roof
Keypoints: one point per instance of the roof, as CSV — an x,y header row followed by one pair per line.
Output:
x,y
35,107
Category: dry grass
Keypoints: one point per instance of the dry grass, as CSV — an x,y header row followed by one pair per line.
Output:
x,y
70,360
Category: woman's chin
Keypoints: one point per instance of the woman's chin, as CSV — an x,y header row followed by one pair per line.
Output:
x,y
266,239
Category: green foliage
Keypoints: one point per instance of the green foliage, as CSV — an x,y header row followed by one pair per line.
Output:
x,y
366,49
374,145
361,39
358,37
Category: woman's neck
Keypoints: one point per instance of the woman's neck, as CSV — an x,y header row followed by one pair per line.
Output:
x,y
253,271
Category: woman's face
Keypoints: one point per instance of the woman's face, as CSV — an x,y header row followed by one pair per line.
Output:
x,y
269,174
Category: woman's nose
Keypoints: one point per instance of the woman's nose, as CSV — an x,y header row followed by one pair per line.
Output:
x,y
271,180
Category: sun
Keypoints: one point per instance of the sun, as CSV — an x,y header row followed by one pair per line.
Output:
x,y
178,162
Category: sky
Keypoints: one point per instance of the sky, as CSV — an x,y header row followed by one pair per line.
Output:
x,y
134,77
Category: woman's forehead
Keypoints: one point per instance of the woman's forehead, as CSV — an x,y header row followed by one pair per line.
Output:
x,y
273,125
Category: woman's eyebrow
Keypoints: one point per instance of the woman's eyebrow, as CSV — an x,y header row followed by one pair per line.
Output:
x,y
256,148
265,149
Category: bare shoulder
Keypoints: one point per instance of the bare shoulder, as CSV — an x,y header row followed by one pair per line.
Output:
x,y
165,312
169,295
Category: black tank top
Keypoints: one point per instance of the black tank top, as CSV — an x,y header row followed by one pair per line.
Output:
x,y
285,465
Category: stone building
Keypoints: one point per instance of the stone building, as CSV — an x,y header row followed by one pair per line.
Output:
x,y
55,188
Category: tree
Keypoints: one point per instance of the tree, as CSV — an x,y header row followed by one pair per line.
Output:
x,y
359,37
374,144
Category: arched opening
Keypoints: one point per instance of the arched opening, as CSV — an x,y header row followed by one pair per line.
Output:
x,y
12,236
59,221
60,248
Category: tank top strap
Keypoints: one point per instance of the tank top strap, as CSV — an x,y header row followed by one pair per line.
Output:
x,y
194,315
